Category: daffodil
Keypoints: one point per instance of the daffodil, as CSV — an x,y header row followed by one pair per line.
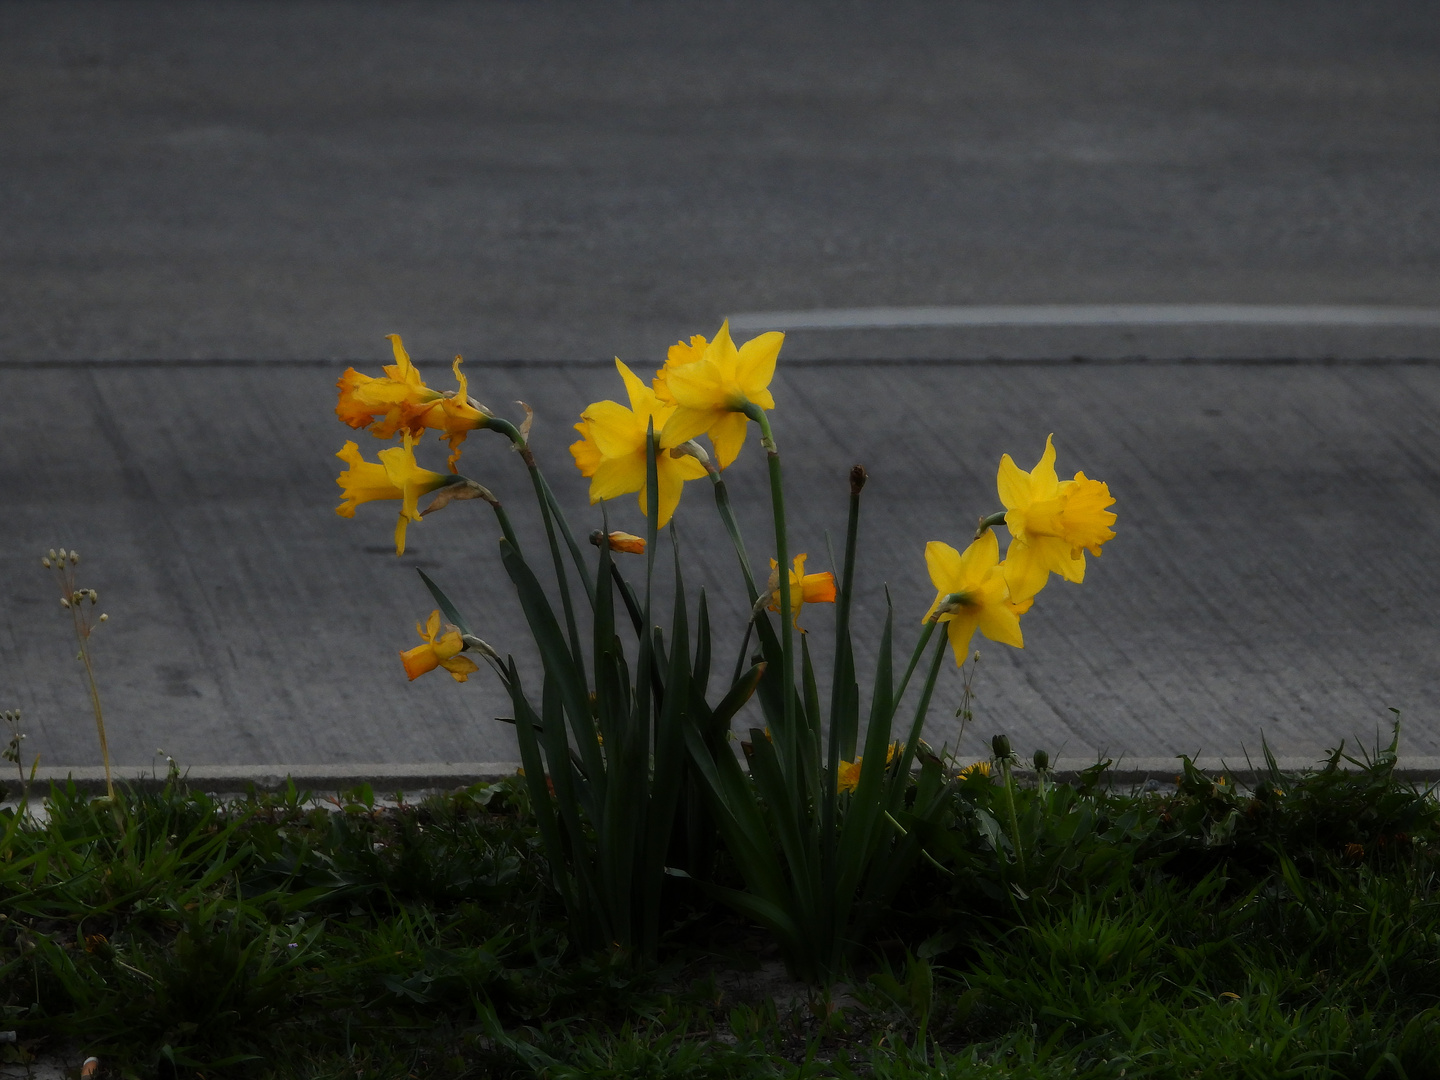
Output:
x,y
972,594
444,652
400,401
395,476
804,588
1052,522
611,450
712,391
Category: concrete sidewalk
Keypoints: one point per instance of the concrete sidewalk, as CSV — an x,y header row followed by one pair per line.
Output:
x,y
1271,572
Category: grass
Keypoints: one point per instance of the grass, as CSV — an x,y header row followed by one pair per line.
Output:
x,y
1288,930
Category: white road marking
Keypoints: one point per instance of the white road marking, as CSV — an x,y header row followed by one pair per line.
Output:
x,y
886,318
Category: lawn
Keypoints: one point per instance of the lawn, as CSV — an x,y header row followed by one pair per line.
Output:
x,y
1291,928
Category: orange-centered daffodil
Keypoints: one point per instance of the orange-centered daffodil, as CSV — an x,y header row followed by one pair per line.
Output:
x,y
611,450
444,652
1052,522
972,593
804,588
396,476
710,392
400,400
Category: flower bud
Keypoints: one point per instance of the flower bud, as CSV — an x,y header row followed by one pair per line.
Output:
x,y
858,476
45,563
52,554
65,602
74,557
1042,761
104,617
1001,746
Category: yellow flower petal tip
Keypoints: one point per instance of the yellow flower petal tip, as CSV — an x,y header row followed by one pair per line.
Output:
x,y
711,383
971,594
1052,522
438,651
612,449
804,588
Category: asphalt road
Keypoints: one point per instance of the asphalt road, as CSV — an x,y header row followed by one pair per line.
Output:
x,y
556,184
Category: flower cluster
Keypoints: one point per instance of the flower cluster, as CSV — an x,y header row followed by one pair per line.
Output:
x,y
1052,523
705,388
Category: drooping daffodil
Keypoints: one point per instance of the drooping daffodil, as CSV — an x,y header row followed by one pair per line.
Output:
x,y
395,476
972,594
611,449
438,651
804,588
1052,522
400,401
712,391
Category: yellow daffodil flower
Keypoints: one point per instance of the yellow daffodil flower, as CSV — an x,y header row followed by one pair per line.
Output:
x,y
444,652
611,450
972,594
396,476
1052,523
400,400
711,392
804,588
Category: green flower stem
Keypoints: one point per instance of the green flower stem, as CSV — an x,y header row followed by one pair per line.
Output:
x,y
910,668
782,560
989,522
548,515
1014,818
727,516
922,707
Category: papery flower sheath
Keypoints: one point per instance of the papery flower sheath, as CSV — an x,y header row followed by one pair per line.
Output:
x,y
400,401
972,594
1052,522
611,450
443,652
395,476
804,588
710,393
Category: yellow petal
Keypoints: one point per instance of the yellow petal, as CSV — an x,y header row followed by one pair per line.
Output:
x,y
614,429
686,423
755,366
727,435
1042,478
978,558
961,629
1013,484
617,476
1025,573
943,562
432,626
999,623
639,393
460,667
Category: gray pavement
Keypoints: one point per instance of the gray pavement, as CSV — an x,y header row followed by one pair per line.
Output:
x,y
552,184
